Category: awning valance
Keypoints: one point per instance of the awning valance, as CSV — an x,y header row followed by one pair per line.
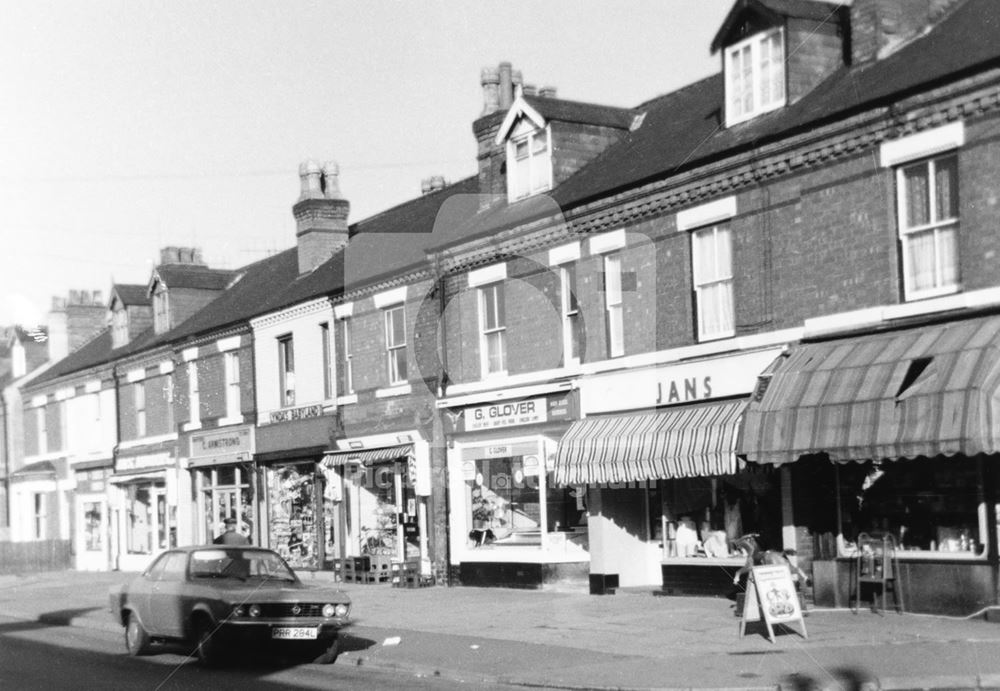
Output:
x,y
367,457
687,441
925,391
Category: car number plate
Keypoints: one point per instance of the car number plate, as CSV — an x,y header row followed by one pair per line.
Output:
x,y
294,632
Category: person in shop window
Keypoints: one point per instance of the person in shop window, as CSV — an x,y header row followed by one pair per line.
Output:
x,y
231,536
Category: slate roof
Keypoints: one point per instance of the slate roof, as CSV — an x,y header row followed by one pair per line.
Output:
x,y
775,9
193,276
130,294
94,352
580,112
683,129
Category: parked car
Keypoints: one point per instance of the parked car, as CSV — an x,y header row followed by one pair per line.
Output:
x,y
218,597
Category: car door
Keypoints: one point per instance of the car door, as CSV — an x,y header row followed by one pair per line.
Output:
x,y
140,590
166,601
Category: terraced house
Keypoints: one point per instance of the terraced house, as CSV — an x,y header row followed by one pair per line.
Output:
x,y
766,302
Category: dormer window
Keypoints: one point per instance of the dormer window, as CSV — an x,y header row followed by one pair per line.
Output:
x,y
755,76
529,161
119,325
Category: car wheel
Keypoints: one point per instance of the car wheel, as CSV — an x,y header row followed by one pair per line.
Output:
x,y
136,638
328,652
207,643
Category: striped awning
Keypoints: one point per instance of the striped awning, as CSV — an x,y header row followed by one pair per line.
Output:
x,y
926,391
687,441
367,457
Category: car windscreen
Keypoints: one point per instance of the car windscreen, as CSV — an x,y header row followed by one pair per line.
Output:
x,y
241,564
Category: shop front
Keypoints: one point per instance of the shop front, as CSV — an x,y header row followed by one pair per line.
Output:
x,y
666,494
224,480
510,523
298,517
891,434
381,483
142,497
92,519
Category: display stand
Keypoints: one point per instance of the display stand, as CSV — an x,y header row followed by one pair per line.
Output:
x,y
877,564
771,595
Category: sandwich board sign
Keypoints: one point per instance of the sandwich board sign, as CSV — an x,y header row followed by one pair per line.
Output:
x,y
771,596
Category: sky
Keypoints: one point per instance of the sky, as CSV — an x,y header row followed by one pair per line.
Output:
x,y
131,125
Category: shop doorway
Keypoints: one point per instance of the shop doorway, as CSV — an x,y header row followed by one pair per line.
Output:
x,y
225,492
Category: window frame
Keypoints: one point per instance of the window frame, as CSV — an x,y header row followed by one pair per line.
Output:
x,y
324,345
935,225
346,357
700,286
233,392
194,394
139,399
754,43
569,303
495,294
286,370
614,310
395,351
539,164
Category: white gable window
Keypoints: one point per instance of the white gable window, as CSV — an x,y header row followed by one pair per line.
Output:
x,y
529,163
755,76
161,309
119,326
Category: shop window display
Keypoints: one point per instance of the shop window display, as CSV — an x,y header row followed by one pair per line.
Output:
x,y
703,515
93,538
927,505
505,504
293,524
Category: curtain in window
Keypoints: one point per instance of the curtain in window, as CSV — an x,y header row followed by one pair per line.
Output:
x,y
920,248
917,196
946,188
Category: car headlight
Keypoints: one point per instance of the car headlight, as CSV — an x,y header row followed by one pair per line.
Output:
x,y
238,611
254,610
329,611
341,610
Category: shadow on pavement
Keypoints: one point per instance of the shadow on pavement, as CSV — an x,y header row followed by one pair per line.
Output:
x,y
64,617
844,679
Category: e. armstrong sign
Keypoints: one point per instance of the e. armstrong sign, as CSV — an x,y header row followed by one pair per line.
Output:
x,y
221,446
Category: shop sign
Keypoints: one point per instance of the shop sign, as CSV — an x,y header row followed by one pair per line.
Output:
x,y
291,414
531,465
527,412
127,464
220,445
717,377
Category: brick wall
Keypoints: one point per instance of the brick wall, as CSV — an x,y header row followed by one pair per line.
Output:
x,y
814,51
574,145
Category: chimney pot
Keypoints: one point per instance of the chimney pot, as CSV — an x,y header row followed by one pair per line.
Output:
x,y
530,90
309,179
490,79
425,185
331,180
547,92
506,86
437,183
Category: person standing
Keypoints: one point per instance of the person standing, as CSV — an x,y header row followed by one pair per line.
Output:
x,y
231,536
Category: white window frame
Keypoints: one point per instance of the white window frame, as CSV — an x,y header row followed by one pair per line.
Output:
x,y
752,48
161,309
139,398
232,365
327,357
703,285
286,370
570,311
492,295
40,514
346,356
194,395
394,350
614,316
539,164
936,226
119,322
41,423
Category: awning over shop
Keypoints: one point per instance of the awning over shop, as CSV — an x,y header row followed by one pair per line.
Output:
x,y
367,457
925,391
687,441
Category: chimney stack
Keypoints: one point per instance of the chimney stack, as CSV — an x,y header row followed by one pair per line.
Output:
x,y
547,92
181,255
320,214
73,321
879,27
506,86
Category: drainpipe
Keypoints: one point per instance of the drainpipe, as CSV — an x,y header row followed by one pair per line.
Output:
x,y
6,456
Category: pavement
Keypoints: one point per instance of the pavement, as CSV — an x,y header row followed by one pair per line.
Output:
x,y
629,640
